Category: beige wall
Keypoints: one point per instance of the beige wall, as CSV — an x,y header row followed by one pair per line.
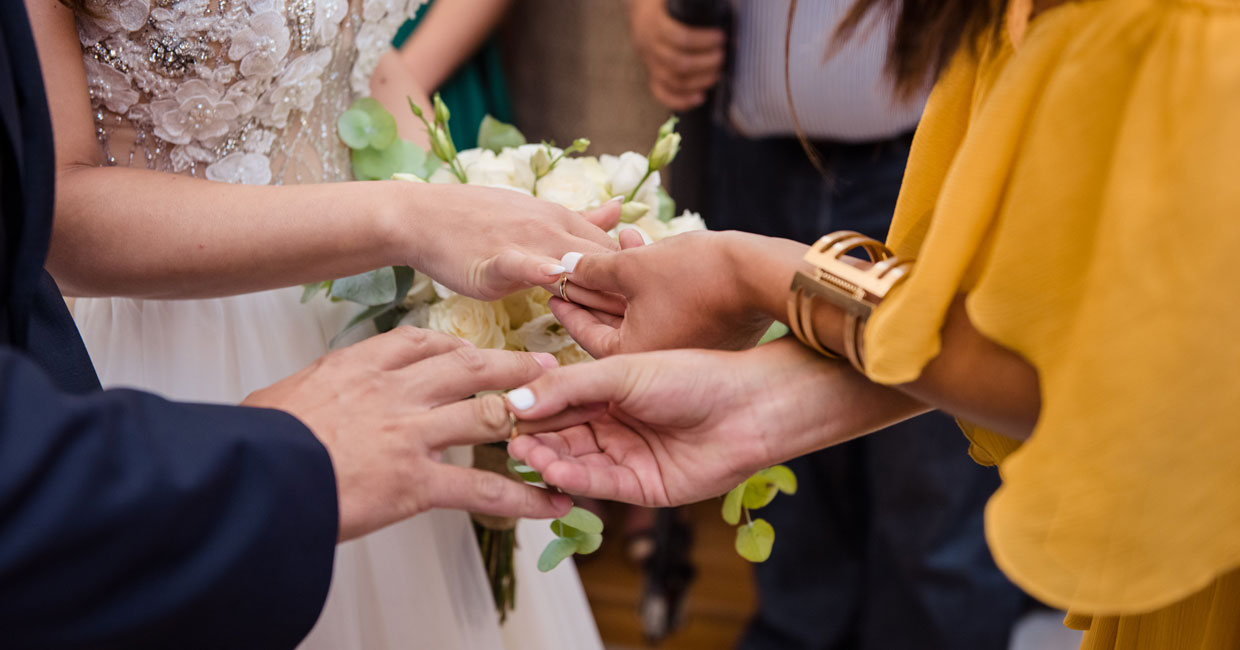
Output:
x,y
573,73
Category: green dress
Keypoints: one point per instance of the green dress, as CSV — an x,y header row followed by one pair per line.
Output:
x,y
475,90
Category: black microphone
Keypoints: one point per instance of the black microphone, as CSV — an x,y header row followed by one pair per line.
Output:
x,y
698,13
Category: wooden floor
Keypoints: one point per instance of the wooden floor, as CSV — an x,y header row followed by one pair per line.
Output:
x,y
719,603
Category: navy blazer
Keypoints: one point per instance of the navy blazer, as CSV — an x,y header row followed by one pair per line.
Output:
x,y
127,521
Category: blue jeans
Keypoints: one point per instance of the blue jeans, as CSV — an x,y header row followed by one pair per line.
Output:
x,y
881,548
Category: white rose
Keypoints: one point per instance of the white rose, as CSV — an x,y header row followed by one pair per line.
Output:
x,y
651,225
480,323
575,183
543,334
422,291
686,222
625,171
571,354
525,306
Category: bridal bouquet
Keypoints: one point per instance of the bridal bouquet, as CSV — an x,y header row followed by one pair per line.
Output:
x,y
394,296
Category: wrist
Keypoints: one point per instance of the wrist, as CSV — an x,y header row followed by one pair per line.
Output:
x,y
398,218
762,270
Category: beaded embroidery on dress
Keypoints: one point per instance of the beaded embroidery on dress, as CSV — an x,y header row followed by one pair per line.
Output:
x,y
239,91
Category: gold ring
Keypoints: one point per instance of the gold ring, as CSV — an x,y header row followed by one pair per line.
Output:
x,y
564,289
512,419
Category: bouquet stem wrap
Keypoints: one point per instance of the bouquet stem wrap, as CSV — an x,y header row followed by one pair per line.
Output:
x,y
497,536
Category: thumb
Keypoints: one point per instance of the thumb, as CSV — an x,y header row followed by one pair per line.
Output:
x,y
605,216
577,385
600,271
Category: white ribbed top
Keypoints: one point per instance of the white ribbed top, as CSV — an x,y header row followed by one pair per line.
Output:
x,y
846,97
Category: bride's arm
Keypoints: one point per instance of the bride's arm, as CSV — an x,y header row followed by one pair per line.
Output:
x,y
136,232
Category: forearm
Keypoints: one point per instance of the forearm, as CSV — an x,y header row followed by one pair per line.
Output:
x,y
972,377
451,32
148,234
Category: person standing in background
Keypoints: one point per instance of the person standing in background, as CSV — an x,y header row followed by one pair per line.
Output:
x,y
888,527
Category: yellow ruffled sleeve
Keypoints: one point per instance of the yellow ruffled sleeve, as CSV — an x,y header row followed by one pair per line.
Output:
x,y
1083,191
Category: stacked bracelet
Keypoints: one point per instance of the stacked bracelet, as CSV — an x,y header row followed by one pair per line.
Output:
x,y
854,290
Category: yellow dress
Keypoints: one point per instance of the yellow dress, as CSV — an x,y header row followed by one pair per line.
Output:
x,y
1082,188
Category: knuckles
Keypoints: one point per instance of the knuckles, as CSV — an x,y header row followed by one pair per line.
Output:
x,y
492,414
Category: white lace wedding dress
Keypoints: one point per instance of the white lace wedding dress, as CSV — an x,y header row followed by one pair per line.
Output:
x,y
248,91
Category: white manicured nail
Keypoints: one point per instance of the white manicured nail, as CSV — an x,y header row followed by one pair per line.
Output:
x,y
521,398
569,261
551,269
616,198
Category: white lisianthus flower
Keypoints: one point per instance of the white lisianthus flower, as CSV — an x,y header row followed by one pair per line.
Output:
x,y
483,167
480,323
625,171
443,175
526,151
543,334
575,183
686,222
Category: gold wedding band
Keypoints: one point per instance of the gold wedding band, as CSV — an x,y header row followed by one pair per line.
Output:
x,y
564,288
512,419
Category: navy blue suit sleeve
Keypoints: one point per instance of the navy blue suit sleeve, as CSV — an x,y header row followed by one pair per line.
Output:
x,y
127,521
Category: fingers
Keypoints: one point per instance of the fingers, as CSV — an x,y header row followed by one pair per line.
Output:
x,y
606,216
577,385
591,299
596,271
630,238
513,269
590,473
400,347
595,336
467,371
476,490
679,37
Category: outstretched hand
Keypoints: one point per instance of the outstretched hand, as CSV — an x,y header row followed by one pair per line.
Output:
x,y
491,242
687,291
667,428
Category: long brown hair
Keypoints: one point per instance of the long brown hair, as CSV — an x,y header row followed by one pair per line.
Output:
x,y
926,34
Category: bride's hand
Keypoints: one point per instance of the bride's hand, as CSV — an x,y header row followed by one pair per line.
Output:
x,y
487,243
687,425
695,290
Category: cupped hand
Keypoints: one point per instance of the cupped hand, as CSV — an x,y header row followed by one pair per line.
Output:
x,y
683,62
386,407
487,242
687,291
681,426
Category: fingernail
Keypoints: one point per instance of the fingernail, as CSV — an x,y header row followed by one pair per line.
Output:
x,y
546,360
551,269
615,199
521,398
569,261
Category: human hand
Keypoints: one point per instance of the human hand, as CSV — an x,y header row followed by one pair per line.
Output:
x,y
718,290
384,409
682,62
487,243
686,425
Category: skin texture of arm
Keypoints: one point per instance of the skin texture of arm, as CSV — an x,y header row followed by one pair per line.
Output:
x,y
735,284
142,233
451,32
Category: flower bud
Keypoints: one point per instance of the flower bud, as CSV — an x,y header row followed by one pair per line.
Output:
x,y
667,127
441,110
579,145
632,211
540,162
665,151
441,145
417,110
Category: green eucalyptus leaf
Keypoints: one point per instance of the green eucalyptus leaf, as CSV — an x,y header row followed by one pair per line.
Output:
x,y
754,541
404,282
388,320
354,126
588,543
527,473
732,505
382,131
758,492
364,316
311,290
371,288
777,331
402,156
555,553
781,477
667,205
496,135
583,520
562,529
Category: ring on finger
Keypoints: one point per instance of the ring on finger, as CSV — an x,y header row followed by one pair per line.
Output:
x,y
512,420
564,289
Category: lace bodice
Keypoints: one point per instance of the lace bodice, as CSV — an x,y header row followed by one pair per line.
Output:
x,y
240,91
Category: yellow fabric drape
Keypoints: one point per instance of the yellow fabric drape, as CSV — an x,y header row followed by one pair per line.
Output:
x,y
1083,190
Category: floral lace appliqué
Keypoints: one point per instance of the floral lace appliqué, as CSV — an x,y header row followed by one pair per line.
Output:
x,y
239,91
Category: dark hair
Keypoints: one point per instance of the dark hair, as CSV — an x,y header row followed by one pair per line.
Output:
x,y
926,34
79,7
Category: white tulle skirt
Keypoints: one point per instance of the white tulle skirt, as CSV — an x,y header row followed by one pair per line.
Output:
x,y
418,584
